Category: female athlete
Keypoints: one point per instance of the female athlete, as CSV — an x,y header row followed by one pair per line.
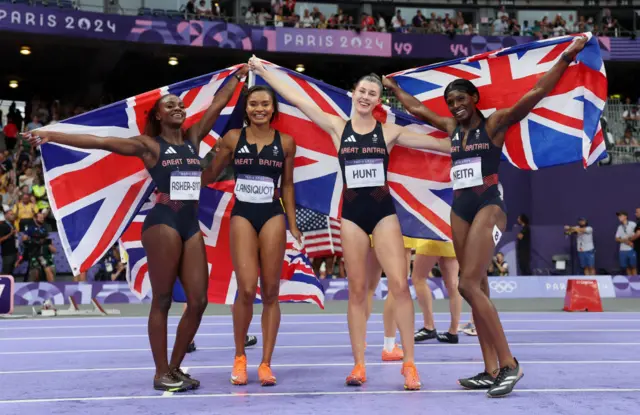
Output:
x,y
478,216
363,146
171,233
261,157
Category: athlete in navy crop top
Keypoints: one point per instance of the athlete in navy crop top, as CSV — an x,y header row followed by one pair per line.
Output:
x,y
363,145
477,215
262,158
170,236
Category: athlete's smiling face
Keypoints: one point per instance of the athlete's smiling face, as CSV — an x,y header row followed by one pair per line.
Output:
x,y
260,107
171,111
461,104
366,96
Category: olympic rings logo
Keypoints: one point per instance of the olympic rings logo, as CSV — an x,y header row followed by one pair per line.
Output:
x,y
503,286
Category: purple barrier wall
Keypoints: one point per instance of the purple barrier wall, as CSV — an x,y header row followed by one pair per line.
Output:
x,y
618,286
53,21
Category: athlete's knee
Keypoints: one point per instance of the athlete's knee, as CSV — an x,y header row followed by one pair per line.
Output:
x,y
467,287
246,295
358,294
269,293
162,301
399,287
198,305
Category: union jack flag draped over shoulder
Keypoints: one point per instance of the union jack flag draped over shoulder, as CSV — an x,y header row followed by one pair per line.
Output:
x,y
563,128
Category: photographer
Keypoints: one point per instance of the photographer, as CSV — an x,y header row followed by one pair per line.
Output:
x,y
498,266
586,251
39,249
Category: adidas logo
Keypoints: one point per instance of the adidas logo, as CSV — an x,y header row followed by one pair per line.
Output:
x,y
244,150
350,139
170,150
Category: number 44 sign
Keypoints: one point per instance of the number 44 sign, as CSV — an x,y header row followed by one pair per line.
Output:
x,y
6,294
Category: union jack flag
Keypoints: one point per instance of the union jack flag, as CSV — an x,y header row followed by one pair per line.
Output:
x,y
563,128
419,180
95,194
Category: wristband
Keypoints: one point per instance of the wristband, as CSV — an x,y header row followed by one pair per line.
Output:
x,y
238,78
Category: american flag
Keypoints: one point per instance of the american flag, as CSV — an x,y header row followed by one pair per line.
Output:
x,y
321,233
419,180
563,128
95,194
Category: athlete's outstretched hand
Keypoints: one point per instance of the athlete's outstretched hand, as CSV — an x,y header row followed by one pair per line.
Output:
x,y
388,82
578,44
243,71
256,66
36,138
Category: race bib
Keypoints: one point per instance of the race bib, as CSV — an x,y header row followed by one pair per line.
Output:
x,y
467,173
109,267
185,185
254,189
364,173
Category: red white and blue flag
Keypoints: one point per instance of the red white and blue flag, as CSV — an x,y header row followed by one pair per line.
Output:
x,y
563,128
419,180
95,194
100,198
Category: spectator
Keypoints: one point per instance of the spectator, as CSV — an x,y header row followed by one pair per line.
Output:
x,y
10,196
202,9
501,26
39,249
250,16
35,123
502,12
190,9
624,233
39,191
523,245
585,246
10,133
25,210
397,22
382,24
263,17
110,266
628,139
498,266
307,20
419,20
8,243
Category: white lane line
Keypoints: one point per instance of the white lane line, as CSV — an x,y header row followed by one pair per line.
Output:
x,y
323,314
323,346
301,323
245,395
341,364
309,333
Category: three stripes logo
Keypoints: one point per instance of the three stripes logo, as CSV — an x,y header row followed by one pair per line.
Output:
x,y
244,150
170,150
350,139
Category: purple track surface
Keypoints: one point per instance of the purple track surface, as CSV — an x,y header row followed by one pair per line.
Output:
x,y
573,363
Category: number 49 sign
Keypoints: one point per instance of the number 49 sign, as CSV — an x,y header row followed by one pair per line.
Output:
x,y
6,294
